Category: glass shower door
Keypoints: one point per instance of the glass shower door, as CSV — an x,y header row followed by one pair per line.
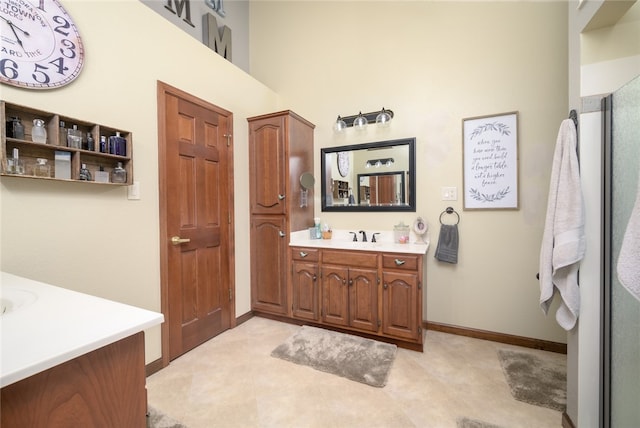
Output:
x,y
622,308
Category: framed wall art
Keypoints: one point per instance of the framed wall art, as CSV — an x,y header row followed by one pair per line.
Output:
x,y
490,161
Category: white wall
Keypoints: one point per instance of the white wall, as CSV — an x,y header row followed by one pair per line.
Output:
x,y
91,238
433,64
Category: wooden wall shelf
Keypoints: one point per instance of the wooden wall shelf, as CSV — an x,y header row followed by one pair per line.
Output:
x,y
29,151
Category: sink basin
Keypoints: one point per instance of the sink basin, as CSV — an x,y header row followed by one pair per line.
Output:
x,y
12,299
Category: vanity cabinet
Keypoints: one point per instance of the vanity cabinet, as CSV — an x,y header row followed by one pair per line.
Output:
x,y
280,151
349,289
56,146
376,293
305,284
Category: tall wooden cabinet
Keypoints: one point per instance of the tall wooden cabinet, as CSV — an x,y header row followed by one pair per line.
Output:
x,y
280,151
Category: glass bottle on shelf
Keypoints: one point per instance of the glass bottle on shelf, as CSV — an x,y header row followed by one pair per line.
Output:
x,y
74,137
62,134
84,173
91,144
119,174
15,128
41,169
38,132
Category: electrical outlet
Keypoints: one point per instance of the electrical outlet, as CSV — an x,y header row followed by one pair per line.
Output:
x,y
449,193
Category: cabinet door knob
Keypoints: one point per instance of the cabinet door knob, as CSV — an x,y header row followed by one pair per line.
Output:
x,y
303,254
281,234
351,282
281,197
176,240
315,277
399,262
385,285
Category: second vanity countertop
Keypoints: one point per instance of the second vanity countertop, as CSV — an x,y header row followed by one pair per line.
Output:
x,y
343,240
49,325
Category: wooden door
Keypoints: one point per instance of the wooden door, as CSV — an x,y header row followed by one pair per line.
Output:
x,y
400,305
267,159
305,290
335,295
363,299
196,178
269,243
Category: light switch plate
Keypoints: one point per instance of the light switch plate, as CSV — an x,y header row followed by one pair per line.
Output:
x,y
133,191
449,193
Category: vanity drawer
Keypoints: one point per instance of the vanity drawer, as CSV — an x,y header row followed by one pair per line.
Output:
x,y
305,254
400,261
350,258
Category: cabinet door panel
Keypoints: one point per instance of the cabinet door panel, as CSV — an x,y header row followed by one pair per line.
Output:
x,y
305,291
363,299
335,295
268,264
267,166
400,305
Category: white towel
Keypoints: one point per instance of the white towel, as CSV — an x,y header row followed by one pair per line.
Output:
x,y
563,240
628,267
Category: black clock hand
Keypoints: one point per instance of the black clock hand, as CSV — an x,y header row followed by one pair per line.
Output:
x,y
13,30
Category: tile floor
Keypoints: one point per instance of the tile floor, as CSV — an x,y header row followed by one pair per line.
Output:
x,y
232,381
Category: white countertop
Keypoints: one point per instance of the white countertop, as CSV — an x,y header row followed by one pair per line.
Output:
x,y
52,325
343,240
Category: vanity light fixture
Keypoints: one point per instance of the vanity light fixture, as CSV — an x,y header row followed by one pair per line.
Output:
x,y
359,121
379,162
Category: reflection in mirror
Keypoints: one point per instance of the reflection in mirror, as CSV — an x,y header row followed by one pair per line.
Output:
x,y
376,176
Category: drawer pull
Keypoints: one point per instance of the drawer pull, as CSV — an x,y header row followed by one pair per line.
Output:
x,y
280,197
303,254
399,262
281,234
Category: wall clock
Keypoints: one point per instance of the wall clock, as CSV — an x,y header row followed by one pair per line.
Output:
x,y
343,163
40,45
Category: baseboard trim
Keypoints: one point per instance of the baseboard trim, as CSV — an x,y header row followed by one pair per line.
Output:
x,y
244,318
566,421
545,345
153,367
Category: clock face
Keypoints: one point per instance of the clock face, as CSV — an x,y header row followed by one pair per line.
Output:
x,y
343,163
40,45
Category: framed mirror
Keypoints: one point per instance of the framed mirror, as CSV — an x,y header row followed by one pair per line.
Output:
x,y
378,176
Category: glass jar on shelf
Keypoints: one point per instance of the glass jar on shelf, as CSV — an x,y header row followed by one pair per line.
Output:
x,y
119,174
38,132
41,168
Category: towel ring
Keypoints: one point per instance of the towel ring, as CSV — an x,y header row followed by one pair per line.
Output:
x,y
449,210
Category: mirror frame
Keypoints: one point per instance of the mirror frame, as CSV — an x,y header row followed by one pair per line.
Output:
x,y
411,206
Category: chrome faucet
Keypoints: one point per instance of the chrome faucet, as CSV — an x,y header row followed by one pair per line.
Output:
x,y
355,236
364,235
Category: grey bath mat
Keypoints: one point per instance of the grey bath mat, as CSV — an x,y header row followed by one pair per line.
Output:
x,y
356,358
536,379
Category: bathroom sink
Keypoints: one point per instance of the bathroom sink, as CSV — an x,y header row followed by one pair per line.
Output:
x,y
12,299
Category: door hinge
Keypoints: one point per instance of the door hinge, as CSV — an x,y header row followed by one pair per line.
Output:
x,y
229,218
419,285
379,323
228,137
420,329
230,295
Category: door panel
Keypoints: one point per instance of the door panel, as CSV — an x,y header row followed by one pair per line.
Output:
x,y
363,299
268,268
400,294
335,295
195,188
267,161
305,290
